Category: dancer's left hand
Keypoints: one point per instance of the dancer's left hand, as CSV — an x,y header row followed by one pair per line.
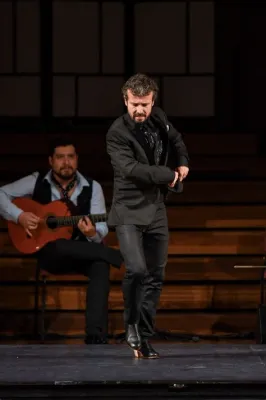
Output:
x,y
182,172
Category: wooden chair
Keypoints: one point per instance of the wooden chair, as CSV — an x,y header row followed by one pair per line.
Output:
x,y
43,279
261,334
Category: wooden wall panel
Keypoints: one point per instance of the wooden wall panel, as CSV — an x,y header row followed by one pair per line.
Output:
x,y
6,37
94,139
75,37
202,37
188,96
157,26
13,101
113,41
63,106
28,37
100,97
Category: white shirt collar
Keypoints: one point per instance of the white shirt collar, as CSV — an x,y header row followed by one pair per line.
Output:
x,y
80,179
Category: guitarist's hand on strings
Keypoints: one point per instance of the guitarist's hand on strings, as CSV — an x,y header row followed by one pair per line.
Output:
x,y
86,227
29,221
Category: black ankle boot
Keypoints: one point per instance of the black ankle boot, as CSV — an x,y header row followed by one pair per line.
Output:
x,y
133,338
147,351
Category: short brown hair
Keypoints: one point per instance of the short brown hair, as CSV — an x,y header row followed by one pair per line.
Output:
x,y
140,85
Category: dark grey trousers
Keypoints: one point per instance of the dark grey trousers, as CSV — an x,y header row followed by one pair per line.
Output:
x,y
145,251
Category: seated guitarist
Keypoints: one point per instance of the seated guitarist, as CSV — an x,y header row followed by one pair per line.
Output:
x,y
85,253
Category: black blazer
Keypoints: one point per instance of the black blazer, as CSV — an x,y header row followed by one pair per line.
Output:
x,y
138,184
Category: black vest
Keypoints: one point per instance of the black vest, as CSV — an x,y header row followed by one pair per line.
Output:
x,y
42,194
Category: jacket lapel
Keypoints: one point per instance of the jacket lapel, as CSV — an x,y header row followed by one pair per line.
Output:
x,y
161,124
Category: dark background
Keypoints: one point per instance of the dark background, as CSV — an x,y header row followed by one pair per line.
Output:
x,y
66,60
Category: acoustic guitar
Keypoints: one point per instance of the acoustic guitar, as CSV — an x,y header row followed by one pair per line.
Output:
x,y
56,222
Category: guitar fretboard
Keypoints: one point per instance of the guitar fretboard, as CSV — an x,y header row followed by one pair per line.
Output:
x,y
74,219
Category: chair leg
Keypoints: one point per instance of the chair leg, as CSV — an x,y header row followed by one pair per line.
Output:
x,y
43,331
36,302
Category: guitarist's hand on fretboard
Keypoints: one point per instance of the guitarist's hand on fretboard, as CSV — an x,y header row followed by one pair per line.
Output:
x,y
29,221
86,227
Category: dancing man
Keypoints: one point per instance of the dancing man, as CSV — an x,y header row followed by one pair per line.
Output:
x,y
138,145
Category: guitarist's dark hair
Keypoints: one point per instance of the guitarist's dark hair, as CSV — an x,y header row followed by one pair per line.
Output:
x,y
61,141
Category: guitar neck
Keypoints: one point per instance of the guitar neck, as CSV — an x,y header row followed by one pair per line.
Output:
x,y
74,219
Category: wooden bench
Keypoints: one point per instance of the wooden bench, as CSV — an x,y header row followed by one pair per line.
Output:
x,y
201,293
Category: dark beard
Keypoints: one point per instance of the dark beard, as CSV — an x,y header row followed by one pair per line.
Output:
x,y
68,177
139,122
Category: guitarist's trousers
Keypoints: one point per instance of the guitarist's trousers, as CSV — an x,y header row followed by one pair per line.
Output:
x,y
90,259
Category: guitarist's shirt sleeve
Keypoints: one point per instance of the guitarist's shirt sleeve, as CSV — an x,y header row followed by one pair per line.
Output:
x,y
23,187
98,207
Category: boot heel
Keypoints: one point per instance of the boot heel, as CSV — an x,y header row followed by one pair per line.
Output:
x,y
137,354
146,351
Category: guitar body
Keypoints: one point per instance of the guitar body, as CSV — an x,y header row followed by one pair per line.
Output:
x,y
43,234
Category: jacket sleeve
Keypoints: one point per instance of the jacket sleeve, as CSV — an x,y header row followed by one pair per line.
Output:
x,y
178,145
124,161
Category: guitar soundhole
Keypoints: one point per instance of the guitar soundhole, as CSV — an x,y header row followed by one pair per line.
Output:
x,y
51,222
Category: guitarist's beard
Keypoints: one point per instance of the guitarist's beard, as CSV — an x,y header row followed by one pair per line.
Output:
x,y
67,174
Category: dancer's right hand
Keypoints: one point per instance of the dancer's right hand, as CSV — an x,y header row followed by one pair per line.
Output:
x,y
174,181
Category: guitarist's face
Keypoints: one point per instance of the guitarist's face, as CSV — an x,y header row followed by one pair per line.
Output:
x,y
64,162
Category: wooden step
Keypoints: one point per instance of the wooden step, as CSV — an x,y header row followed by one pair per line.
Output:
x,y
89,143
174,297
189,243
225,216
197,323
178,269
206,216
224,192
237,167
